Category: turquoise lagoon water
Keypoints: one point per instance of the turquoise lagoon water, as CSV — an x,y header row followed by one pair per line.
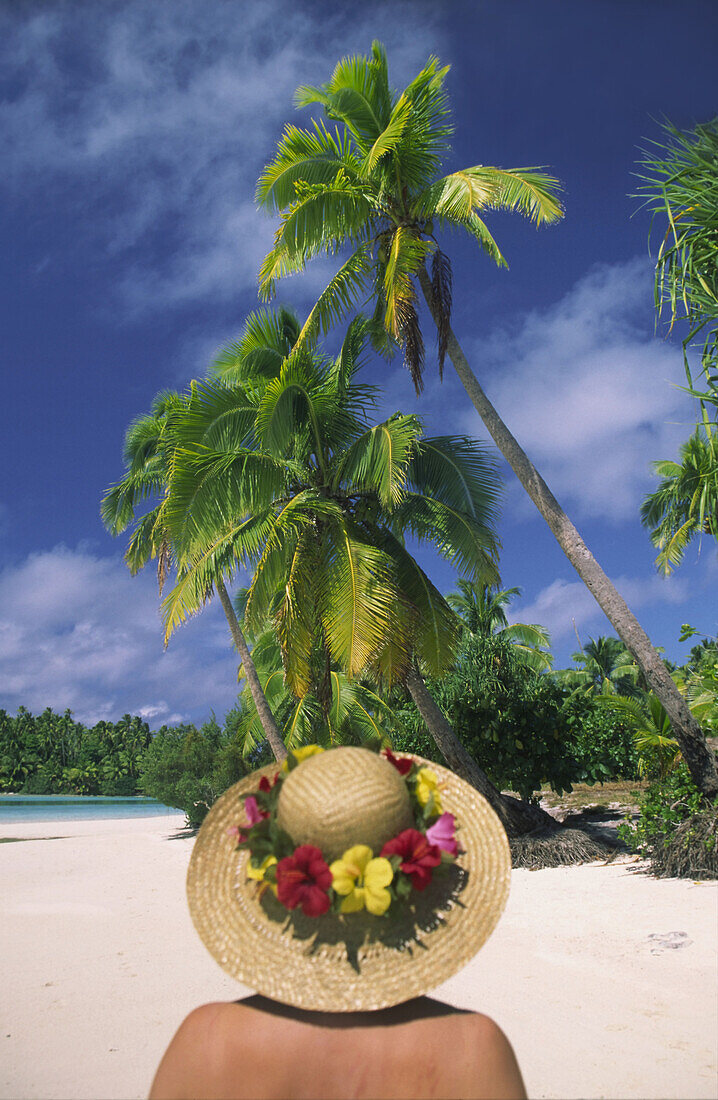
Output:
x,y
18,808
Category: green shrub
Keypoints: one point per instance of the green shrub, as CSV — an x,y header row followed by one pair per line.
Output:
x,y
603,744
510,719
676,829
189,768
523,729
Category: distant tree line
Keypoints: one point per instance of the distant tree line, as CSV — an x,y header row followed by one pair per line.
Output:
x,y
53,754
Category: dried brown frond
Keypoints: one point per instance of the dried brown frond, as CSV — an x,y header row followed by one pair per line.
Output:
x,y
691,851
164,563
441,293
411,340
557,848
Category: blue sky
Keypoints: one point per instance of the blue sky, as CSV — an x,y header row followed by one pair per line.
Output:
x,y
133,134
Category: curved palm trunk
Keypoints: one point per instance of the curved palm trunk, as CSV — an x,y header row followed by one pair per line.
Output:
x,y
700,761
266,717
516,817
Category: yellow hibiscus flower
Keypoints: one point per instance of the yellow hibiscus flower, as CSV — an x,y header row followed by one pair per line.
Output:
x,y
427,785
257,873
361,880
301,754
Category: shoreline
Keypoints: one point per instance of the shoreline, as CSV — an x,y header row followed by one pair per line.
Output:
x,y
603,978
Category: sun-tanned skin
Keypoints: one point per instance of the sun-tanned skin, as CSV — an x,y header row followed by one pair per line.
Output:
x,y
259,1049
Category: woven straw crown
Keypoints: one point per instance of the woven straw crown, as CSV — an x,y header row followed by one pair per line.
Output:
x,y
352,962
337,799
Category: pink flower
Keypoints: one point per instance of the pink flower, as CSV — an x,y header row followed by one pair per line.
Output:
x,y
402,764
253,812
442,834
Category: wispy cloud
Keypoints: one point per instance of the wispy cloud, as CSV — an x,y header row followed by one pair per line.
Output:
x,y
77,631
589,392
167,123
565,607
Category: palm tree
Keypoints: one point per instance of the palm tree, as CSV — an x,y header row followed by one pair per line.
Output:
x,y
680,187
354,714
685,504
651,728
481,607
605,667
321,525
148,451
372,184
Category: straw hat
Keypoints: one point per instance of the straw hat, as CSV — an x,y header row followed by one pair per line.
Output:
x,y
356,961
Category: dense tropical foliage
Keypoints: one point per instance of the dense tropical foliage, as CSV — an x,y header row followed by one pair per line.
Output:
x,y
190,768
51,753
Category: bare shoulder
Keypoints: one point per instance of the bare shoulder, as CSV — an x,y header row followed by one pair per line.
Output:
x,y
490,1057
198,1046
224,1050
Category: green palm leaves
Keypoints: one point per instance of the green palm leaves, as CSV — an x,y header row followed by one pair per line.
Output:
x,y
680,185
287,478
370,185
481,608
685,504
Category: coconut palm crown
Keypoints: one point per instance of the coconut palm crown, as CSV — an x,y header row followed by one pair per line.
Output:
x,y
373,184
285,475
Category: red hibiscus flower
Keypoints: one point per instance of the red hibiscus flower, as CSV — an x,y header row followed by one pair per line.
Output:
x,y
418,856
402,765
265,785
303,880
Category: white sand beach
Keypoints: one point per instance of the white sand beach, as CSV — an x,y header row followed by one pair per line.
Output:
x,y
604,979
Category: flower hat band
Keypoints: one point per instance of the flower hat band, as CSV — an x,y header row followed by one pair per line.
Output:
x,y
315,883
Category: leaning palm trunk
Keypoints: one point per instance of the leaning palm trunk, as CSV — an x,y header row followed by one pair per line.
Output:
x,y
266,717
516,817
688,733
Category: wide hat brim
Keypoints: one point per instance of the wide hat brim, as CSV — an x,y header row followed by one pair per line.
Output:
x,y
355,962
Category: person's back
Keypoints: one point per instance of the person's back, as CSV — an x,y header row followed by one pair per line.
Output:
x,y
261,1049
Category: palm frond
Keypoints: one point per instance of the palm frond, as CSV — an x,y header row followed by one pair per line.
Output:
x,y
296,517
339,297
237,546
267,338
460,538
357,94
390,137
211,491
432,627
406,254
303,156
295,618
291,401
355,595
146,540
378,460
119,502
459,471
323,218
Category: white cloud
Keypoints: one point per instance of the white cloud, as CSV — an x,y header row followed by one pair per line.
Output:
x,y
589,392
166,123
77,631
565,607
